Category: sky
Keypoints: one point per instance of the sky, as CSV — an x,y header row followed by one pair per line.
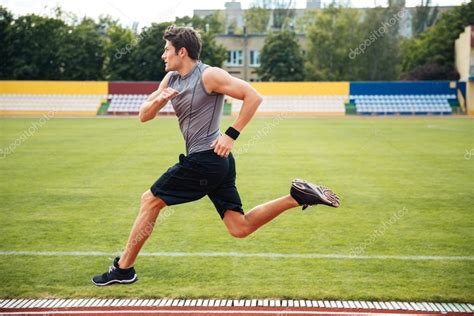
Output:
x,y
147,11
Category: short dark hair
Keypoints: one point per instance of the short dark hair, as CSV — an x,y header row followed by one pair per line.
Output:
x,y
186,37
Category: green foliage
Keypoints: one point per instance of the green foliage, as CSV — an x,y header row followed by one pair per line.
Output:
x,y
381,59
120,44
6,48
213,24
148,65
82,52
331,36
212,53
343,45
64,47
257,19
425,16
435,46
281,58
37,43
283,13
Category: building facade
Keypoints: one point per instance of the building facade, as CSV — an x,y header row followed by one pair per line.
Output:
x,y
243,53
243,49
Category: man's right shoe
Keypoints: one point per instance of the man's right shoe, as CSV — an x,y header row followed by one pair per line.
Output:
x,y
116,275
307,194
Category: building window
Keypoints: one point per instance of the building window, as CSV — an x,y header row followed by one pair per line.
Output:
x,y
255,58
234,58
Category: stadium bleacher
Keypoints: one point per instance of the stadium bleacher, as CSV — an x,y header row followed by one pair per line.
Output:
x,y
70,98
403,97
416,104
129,104
320,104
124,103
292,98
37,103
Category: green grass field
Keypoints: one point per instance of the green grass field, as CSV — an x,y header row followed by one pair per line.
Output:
x,y
75,185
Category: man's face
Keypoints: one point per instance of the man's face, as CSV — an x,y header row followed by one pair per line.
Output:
x,y
171,59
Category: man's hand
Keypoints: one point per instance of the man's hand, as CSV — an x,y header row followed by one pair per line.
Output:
x,y
168,94
156,101
223,145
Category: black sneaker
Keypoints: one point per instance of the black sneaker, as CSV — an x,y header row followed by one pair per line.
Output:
x,y
307,194
116,275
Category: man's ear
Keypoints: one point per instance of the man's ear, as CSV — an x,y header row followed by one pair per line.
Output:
x,y
183,52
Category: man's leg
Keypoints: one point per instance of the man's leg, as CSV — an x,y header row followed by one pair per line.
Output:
x,y
122,270
241,226
302,193
142,229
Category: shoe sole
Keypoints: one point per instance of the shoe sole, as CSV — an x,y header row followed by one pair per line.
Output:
x,y
326,195
135,279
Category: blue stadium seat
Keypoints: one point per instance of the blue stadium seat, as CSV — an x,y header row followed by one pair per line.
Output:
x,y
415,104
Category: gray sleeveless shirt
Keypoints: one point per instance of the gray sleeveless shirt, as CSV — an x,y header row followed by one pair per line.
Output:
x,y
198,112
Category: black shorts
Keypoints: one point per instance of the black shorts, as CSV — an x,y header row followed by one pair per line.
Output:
x,y
197,175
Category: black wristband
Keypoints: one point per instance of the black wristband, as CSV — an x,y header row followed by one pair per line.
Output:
x,y
232,133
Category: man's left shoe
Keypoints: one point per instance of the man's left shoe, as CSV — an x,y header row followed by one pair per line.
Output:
x,y
116,275
307,194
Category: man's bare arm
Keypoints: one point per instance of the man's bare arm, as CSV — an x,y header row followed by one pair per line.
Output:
x,y
219,81
157,100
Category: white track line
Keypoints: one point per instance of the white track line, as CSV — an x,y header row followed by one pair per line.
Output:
x,y
238,254
54,304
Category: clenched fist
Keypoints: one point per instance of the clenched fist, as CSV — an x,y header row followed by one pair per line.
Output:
x,y
223,145
167,94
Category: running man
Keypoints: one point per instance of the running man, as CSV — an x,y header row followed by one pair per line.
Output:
x,y
196,92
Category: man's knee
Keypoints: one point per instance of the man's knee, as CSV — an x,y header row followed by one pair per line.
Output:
x,y
151,202
239,232
236,224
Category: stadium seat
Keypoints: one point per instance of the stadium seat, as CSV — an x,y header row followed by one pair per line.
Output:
x,y
325,104
129,104
402,104
61,103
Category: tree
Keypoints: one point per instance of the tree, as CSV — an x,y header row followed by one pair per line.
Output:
x,y
148,65
436,44
213,24
425,16
119,44
257,19
7,54
429,71
281,58
37,43
396,3
332,35
283,14
343,45
212,53
82,52
381,59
